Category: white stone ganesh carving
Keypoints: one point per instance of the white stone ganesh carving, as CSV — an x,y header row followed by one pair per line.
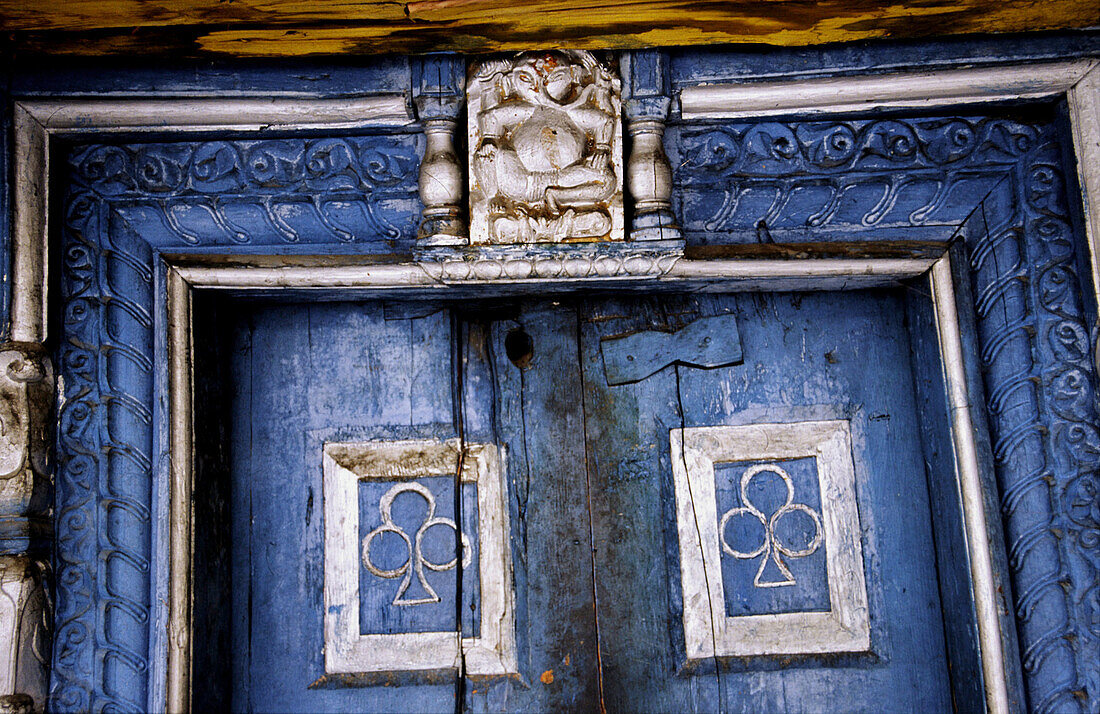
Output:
x,y
546,150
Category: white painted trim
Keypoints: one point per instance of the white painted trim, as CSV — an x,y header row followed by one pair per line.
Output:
x,y
1084,110
117,115
37,121
31,231
967,473
836,95
181,516
743,274
708,630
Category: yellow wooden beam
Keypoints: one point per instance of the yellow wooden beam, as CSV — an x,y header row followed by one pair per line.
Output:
x,y
279,28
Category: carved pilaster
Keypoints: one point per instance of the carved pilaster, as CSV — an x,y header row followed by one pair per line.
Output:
x,y
26,400
646,101
24,635
439,83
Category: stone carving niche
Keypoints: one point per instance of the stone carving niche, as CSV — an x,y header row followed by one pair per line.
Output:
x,y
545,145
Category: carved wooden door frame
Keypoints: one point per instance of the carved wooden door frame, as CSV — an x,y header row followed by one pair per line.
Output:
x,y
160,675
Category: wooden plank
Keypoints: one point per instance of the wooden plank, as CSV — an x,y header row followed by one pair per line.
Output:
x,y
634,519
309,374
296,28
541,423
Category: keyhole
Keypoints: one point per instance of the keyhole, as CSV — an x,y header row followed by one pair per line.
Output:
x,y
519,347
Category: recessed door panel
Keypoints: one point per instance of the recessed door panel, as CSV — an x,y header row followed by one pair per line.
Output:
x,y
674,503
811,457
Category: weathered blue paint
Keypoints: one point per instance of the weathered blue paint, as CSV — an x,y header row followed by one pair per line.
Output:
x,y
378,613
857,179
306,375
1001,179
695,65
541,423
1040,379
272,195
956,595
438,85
124,204
105,460
92,77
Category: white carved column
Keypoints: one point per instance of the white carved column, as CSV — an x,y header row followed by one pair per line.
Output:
x,y
26,401
439,83
646,101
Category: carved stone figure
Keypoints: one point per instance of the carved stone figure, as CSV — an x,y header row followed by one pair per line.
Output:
x,y
546,142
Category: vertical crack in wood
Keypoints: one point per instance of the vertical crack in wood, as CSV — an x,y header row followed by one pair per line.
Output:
x,y
699,537
251,515
591,526
460,354
522,500
494,422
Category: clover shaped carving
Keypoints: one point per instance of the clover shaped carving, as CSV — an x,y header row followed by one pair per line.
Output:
x,y
772,546
415,560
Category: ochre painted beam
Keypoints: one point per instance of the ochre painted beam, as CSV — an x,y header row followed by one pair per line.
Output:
x,y
279,28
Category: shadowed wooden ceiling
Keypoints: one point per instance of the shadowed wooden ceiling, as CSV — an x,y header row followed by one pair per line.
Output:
x,y
286,28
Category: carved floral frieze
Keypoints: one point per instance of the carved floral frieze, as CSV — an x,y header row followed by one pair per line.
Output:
x,y
353,190
801,179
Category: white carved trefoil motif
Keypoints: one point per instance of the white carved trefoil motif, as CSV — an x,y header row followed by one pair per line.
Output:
x,y
415,561
349,548
546,146
772,547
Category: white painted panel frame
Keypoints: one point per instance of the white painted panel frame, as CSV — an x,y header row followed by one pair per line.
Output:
x,y
896,90
493,652
708,631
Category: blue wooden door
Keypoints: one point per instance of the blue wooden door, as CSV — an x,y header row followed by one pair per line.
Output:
x,y
751,535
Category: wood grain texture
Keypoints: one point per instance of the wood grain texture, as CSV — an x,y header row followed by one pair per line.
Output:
x,y
281,28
